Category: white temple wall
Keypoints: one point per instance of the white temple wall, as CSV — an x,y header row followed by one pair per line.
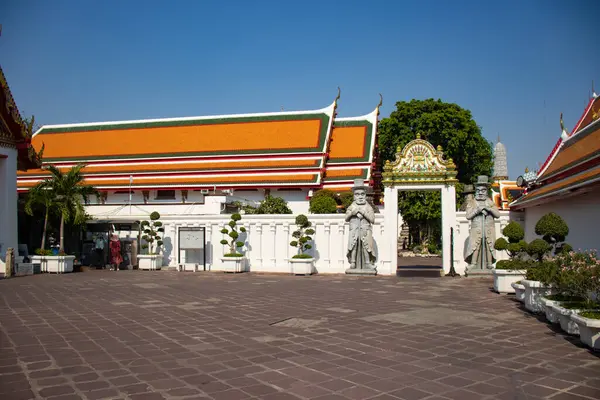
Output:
x,y
581,213
8,203
267,240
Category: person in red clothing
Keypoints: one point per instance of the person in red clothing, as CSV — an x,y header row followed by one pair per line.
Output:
x,y
115,252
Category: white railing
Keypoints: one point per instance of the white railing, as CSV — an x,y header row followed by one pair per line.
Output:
x,y
267,240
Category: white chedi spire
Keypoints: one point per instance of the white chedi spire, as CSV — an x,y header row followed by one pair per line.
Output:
x,y
500,165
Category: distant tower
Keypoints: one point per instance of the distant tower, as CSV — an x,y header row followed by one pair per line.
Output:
x,y
500,167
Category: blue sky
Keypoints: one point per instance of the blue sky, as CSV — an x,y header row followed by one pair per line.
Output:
x,y
515,64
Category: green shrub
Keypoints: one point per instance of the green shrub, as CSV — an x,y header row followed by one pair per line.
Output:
x,y
323,205
501,244
432,248
515,246
43,252
273,205
553,229
231,231
302,236
537,248
504,264
514,232
346,198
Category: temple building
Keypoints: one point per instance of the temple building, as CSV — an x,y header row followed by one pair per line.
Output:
x,y
16,153
568,183
197,165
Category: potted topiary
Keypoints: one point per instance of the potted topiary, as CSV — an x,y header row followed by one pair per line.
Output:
x,y
152,233
302,263
233,261
538,282
509,271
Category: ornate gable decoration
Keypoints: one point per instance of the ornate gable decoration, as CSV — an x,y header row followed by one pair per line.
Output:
x,y
419,163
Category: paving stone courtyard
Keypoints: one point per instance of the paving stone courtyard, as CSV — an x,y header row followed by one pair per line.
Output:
x,y
168,335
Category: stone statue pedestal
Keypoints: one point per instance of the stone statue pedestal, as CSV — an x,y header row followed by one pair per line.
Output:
x,y
362,271
478,273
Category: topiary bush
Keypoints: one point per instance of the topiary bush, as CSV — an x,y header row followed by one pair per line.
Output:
x,y
302,234
322,205
553,229
537,248
152,230
231,231
515,246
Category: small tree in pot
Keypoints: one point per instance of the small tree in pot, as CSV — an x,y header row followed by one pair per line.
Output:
x,y
302,234
302,263
233,261
152,230
232,232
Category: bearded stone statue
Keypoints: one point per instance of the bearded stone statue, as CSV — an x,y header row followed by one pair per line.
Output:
x,y
481,211
361,247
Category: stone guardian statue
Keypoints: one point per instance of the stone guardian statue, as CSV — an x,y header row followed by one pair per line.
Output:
x,y
479,249
361,247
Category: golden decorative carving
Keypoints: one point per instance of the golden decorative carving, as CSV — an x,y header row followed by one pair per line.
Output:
x,y
419,163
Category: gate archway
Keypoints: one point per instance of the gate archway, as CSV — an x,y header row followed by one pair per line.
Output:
x,y
418,166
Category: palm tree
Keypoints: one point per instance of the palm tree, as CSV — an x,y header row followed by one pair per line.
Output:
x,y
42,195
68,192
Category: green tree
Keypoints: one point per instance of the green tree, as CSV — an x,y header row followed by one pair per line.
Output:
x,y
273,205
40,195
69,194
442,124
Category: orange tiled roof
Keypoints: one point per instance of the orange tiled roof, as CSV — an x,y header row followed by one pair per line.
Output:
x,y
277,149
351,151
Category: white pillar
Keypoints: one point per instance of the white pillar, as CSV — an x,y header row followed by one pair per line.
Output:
x,y
388,250
8,204
448,221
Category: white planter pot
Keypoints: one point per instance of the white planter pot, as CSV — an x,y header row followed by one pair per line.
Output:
x,y
234,264
589,330
150,262
564,317
302,266
534,290
504,277
519,291
59,264
551,315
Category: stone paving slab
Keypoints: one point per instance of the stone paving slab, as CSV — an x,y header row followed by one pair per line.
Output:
x,y
167,335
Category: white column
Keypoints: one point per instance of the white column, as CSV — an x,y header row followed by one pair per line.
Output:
x,y
448,221
327,249
258,241
208,243
343,243
8,204
286,234
273,230
388,253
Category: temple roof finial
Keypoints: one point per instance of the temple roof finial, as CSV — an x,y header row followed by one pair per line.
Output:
x,y
338,96
564,135
594,95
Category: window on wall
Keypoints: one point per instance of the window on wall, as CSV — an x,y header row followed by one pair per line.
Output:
x,y
165,195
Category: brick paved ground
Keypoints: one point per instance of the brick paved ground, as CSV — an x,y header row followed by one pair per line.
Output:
x,y
155,335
